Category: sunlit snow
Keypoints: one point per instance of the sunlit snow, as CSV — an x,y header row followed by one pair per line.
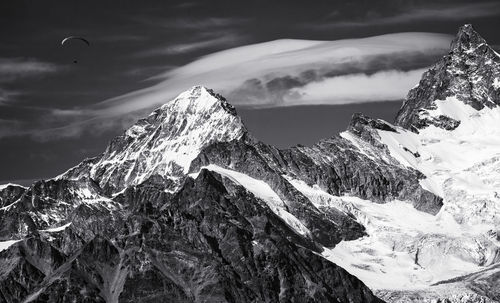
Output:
x,y
263,191
56,229
168,140
409,249
4,186
6,244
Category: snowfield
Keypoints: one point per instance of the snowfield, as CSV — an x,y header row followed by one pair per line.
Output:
x,y
461,165
407,249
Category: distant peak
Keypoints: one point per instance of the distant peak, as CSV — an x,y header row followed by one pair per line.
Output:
x,y
200,97
466,39
469,73
165,142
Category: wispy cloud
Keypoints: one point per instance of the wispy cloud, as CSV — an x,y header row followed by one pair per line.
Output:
x,y
194,34
116,38
388,85
268,70
7,95
10,128
14,68
148,73
191,23
220,41
276,73
438,12
186,5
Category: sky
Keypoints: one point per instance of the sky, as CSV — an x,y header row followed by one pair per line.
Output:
x,y
295,70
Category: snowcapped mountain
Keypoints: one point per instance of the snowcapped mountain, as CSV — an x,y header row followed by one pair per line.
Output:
x,y
470,73
165,142
143,221
448,129
187,206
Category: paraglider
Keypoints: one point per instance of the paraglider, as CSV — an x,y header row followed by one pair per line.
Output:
x,y
76,38
65,40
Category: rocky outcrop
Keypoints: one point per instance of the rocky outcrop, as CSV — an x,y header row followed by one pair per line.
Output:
x,y
10,194
468,72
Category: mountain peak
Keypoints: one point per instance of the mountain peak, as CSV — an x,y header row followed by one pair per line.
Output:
x,y
165,142
201,97
469,73
466,39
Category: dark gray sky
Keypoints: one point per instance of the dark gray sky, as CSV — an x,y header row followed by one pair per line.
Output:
x,y
50,108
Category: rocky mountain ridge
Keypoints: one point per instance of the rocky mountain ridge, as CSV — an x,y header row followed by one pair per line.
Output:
x,y
470,72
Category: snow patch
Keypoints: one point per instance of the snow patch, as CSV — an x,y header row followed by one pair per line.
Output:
x,y
8,207
496,83
6,244
359,144
56,229
262,191
4,186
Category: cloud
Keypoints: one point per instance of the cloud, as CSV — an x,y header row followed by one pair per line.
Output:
x,y
7,95
112,38
268,70
276,73
10,128
191,23
14,68
195,34
460,11
356,88
222,40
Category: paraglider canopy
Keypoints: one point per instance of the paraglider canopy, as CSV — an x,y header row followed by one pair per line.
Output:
x,y
65,40
74,38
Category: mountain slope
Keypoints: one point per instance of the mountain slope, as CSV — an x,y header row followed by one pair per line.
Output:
x,y
165,142
134,225
211,241
448,130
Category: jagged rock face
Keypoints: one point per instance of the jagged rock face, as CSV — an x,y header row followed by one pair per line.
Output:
x,y
165,142
211,241
336,165
470,73
48,203
244,156
9,194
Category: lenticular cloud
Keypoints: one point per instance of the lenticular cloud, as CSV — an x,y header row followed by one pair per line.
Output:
x,y
296,72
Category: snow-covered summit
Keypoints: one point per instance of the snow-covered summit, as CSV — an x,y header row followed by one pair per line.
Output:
x,y
469,72
166,141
